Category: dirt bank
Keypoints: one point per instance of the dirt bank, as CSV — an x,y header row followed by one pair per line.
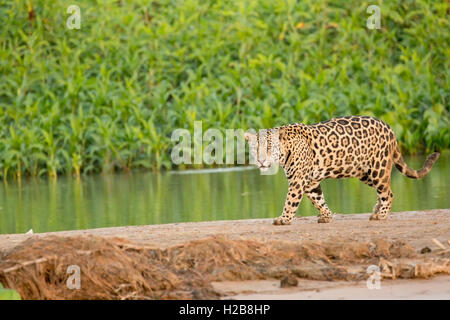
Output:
x,y
198,260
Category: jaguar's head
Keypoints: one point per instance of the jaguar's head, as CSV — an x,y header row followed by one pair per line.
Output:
x,y
265,148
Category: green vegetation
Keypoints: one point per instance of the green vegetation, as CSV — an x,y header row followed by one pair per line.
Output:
x,y
108,96
8,294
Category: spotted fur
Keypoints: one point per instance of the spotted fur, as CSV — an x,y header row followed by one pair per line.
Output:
x,y
356,146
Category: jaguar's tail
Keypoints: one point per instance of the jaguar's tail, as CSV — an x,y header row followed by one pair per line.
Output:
x,y
401,165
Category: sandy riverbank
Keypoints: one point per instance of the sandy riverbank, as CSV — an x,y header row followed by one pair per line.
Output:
x,y
418,234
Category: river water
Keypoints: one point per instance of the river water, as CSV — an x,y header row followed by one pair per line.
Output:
x,y
142,198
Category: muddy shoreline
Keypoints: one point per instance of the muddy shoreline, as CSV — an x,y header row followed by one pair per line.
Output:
x,y
322,261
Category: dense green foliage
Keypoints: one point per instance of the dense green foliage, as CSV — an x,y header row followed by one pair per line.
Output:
x,y
109,95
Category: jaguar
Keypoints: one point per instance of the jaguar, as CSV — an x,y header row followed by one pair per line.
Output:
x,y
355,146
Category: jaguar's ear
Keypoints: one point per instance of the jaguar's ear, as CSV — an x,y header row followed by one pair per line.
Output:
x,y
249,136
280,134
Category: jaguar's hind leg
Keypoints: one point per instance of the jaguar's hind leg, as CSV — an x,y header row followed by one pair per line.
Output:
x,y
380,179
385,197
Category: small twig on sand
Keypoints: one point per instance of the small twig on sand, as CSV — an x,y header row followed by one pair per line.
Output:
x,y
443,252
438,243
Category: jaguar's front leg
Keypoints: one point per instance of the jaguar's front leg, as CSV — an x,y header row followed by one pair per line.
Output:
x,y
315,194
293,199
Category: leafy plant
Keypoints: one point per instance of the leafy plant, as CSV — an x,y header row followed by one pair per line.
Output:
x,y
107,97
8,294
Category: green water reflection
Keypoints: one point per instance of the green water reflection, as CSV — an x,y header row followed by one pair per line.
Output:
x,y
154,198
